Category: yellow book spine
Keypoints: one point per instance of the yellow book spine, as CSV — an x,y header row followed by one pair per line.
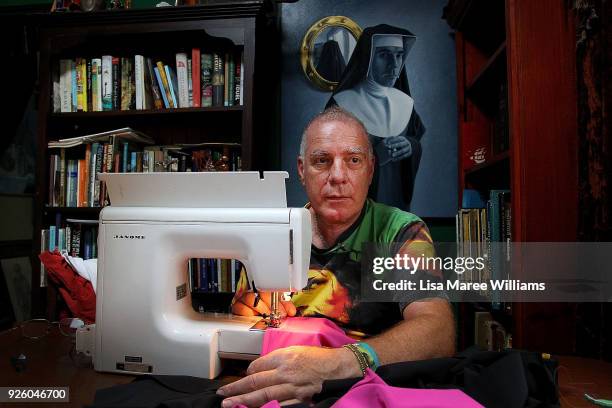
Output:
x,y
162,74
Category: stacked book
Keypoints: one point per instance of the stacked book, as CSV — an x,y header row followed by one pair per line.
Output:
x,y
77,237
214,275
75,163
485,219
112,83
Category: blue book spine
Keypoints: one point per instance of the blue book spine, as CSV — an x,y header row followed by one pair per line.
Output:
x,y
133,162
124,161
171,82
61,244
161,88
73,174
496,255
73,69
212,275
52,236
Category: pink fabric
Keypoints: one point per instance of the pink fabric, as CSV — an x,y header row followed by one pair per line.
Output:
x,y
372,391
304,331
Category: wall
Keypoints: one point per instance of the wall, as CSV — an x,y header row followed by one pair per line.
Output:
x,y
431,71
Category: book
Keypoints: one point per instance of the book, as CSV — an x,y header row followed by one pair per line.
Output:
x,y
195,77
231,80
242,78
166,86
161,86
62,178
98,169
154,85
172,84
96,84
206,63
237,80
88,85
104,137
107,82
226,80
81,82
190,82
116,75
84,178
139,81
73,75
55,78
65,81
44,246
126,73
218,78
182,90
72,181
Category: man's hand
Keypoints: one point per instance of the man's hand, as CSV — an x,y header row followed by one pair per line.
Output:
x,y
294,372
399,147
245,306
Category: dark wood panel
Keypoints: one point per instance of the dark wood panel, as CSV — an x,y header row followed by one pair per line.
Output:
x,y
543,124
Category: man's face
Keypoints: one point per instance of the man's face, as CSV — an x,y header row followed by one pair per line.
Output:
x,y
336,170
386,64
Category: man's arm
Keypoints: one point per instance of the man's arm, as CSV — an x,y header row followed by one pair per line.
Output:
x,y
427,331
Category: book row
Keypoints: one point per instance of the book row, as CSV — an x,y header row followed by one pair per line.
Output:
x,y
208,275
481,221
76,238
73,173
112,83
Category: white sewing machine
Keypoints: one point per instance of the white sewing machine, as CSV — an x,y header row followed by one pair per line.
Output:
x,y
145,322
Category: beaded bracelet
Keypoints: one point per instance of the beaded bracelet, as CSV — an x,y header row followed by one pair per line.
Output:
x,y
373,361
360,356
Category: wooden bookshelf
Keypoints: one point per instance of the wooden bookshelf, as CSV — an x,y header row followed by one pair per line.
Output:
x,y
158,33
528,48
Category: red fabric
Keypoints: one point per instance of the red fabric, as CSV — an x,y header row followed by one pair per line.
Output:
x,y
304,331
76,291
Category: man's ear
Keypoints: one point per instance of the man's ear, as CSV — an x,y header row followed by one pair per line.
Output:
x,y
300,169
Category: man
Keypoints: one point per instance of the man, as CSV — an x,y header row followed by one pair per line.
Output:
x,y
336,166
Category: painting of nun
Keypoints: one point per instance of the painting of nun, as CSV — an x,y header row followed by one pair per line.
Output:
x,y
374,87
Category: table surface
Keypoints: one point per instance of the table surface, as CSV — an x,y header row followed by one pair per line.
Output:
x,y
51,361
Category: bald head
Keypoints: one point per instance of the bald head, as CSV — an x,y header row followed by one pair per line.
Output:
x,y
335,114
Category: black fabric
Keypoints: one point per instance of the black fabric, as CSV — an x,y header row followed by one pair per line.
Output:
x,y
510,379
161,391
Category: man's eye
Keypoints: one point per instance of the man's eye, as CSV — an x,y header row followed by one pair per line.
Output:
x,y
355,160
320,160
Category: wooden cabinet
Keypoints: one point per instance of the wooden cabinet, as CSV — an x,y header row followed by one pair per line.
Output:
x,y
519,56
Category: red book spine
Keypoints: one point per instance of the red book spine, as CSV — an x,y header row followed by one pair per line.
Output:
x,y
195,77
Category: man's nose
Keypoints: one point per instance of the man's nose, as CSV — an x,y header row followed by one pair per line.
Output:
x,y
338,172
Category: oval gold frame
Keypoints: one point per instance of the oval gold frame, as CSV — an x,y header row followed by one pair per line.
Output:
x,y
307,43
